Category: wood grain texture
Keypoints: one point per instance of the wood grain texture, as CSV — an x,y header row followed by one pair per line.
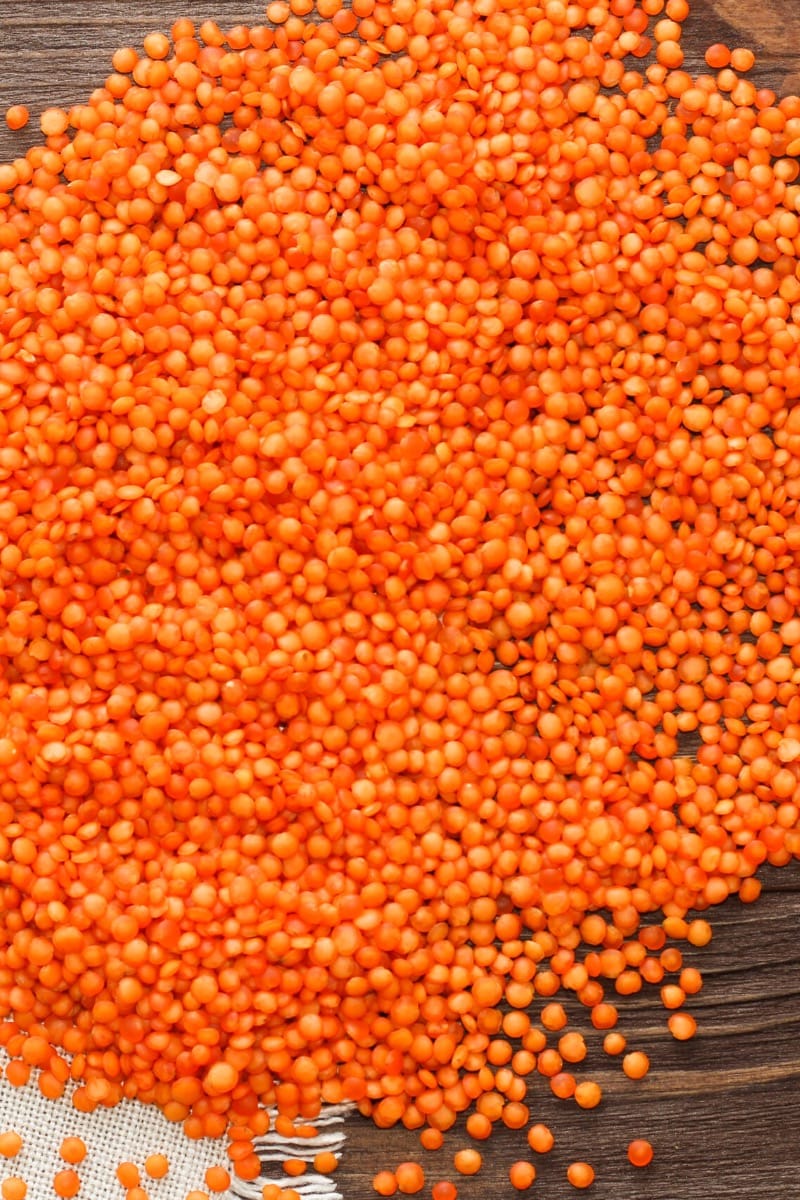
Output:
x,y
722,1111
771,29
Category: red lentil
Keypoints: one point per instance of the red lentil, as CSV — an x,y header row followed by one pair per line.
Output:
x,y
325,1162
128,1174
397,464
614,1043
588,1094
580,1174
73,1150
540,1138
410,1178
217,1179
10,1144
294,1166
467,1162
682,1026
521,1175
17,116
636,1064
156,1166
66,1183
13,1188
640,1152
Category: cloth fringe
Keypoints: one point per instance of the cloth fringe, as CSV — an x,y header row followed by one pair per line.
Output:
x,y
275,1148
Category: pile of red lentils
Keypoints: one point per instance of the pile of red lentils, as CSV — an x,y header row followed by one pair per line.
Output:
x,y
399,557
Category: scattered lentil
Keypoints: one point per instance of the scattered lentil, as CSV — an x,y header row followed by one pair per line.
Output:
x,y
682,1026
636,1064
640,1152
66,1183
410,1178
384,1183
467,1162
13,1188
580,1174
156,1166
521,1175
17,116
72,1150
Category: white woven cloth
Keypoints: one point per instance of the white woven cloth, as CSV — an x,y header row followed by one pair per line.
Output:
x,y
132,1131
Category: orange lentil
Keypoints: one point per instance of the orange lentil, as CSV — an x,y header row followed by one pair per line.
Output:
x,y
467,1162
72,1150
478,1126
604,1015
690,981
563,1085
384,1183
540,1138
217,1179
636,1064
682,1026
10,1144
13,1188
443,1189
17,116
614,1043
66,1183
377,505
717,56
294,1166
640,1152
410,1178
588,1094
699,932
572,1047
521,1175
156,1165
580,1174
671,959
128,1174
325,1162
553,1016
672,996
742,59
53,122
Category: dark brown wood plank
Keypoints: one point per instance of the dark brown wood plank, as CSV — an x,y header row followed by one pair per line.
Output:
x,y
722,1110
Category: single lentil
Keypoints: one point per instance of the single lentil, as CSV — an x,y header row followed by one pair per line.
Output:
x,y
13,1188
521,1175
640,1152
156,1166
17,116
467,1162
580,1174
410,1178
72,1150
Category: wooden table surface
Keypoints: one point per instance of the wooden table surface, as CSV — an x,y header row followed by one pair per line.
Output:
x,y
722,1111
